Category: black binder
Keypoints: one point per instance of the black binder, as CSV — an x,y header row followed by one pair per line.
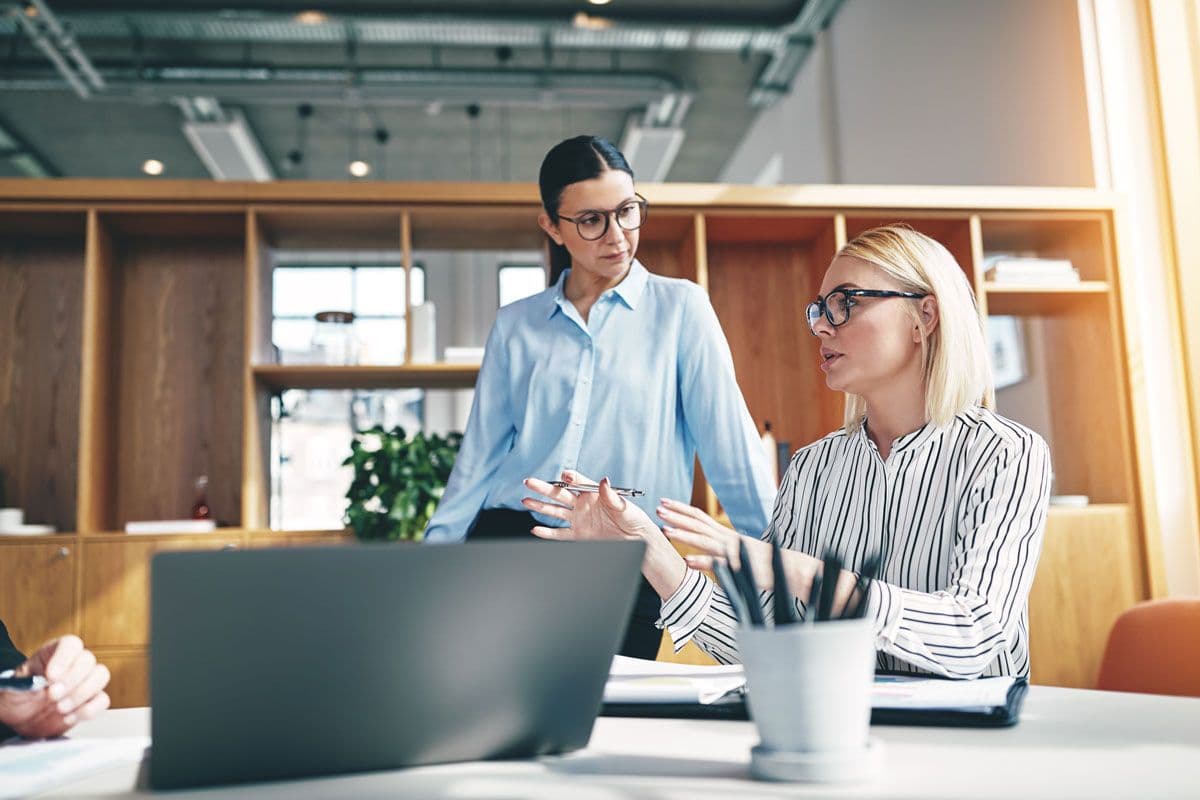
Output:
x,y
734,707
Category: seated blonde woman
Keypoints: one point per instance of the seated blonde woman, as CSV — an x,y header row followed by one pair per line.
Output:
x,y
952,494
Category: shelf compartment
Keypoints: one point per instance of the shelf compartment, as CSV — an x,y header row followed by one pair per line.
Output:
x,y
1072,391
953,232
319,376
783,257
167,378
1083,238
42,259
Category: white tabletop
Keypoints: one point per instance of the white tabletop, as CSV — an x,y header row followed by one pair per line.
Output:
x,y
1069,743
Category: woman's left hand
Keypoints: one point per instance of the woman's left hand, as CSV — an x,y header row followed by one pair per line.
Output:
x,y
690,526
589,515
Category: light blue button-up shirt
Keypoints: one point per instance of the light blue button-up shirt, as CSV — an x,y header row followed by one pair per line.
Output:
x,y
634,394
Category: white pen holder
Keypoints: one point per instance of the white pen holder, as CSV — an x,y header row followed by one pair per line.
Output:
x,y
809,688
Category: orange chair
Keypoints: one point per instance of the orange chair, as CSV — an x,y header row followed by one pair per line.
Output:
x,y
1154,648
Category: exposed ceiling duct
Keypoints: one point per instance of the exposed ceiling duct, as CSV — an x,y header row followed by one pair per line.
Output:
x,y
224,141
786,47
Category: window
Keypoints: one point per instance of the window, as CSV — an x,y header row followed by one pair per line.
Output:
x,y
374,293
520,280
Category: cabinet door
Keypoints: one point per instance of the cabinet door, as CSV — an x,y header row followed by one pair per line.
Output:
x,y
298,538
116,585
130,684
37,591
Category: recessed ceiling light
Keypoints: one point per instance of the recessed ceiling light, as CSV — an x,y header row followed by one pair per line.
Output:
x,y
359,169
152,166
311,17
599,2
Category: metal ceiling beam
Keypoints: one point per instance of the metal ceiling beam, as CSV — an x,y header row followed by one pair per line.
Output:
x,y
377,86
23,156
57,43
445,30
788,57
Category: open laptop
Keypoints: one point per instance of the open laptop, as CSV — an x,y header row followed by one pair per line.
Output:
x,y
277,664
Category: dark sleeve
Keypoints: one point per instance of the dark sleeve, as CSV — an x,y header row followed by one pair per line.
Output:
x,y
10,657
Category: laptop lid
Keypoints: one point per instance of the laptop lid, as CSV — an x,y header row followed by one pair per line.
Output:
x,y
277,664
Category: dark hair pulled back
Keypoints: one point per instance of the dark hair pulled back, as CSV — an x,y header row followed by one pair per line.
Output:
x,y
579,158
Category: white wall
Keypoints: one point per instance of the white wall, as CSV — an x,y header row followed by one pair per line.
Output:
x,y
966,92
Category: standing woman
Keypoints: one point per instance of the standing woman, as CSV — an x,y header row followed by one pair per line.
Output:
x,y
611,371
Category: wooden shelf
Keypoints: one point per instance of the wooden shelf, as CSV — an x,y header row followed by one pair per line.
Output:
x,y
1030,300
321,376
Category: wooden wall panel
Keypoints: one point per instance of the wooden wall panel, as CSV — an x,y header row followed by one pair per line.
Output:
x,y
759,292
1087,576
41,290
180,324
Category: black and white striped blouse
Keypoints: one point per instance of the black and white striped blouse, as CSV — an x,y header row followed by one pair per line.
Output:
x,y
959,513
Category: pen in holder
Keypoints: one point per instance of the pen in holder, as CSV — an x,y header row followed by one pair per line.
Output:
x,y
808,686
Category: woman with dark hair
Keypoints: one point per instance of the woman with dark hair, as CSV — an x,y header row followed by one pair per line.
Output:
x,y
611,371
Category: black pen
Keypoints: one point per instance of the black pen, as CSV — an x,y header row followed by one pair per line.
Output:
x,y
745,578
869,568
785,610
728,585
832,565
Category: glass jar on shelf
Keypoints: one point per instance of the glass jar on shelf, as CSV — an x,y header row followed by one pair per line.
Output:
x,y
334,340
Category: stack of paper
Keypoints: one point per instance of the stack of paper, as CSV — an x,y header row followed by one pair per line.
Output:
x,y
171,526
634,680
1015,270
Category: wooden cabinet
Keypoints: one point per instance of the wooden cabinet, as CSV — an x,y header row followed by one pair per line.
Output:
x,y
37,589
136,353
115,609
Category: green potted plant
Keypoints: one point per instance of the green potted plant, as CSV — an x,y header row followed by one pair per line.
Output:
x,y
398,481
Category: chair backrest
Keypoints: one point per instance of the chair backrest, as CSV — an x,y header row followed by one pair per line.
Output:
x,y
1154,648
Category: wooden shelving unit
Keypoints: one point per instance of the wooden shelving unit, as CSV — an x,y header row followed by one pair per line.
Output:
x,y
279,377
135,353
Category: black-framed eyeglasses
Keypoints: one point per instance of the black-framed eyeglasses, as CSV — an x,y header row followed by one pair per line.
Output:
x,y
836,305
593,224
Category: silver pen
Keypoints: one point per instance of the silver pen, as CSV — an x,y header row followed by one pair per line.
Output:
x,y
592,488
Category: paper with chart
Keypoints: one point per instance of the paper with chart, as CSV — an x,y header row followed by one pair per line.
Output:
x,y
28,767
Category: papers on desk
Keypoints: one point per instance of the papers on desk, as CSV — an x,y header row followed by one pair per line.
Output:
x,y
912,692
30,767
635,680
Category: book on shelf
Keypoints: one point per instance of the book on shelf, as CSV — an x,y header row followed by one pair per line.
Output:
x,y
1027,271
171,526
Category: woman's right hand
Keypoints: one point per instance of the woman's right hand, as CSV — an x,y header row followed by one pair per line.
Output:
x,y
589,515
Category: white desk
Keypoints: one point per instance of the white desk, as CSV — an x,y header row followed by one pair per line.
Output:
x,y
1070,743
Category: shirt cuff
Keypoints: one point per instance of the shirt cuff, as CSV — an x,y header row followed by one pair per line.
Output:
x,y
884,606
684,611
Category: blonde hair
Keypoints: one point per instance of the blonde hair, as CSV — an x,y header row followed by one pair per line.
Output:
x,y
958,371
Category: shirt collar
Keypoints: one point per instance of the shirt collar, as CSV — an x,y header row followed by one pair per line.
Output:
x,y
630,289
909,442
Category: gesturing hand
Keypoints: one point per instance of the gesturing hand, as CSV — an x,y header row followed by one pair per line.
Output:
x,y
689,525
75,692
589,515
